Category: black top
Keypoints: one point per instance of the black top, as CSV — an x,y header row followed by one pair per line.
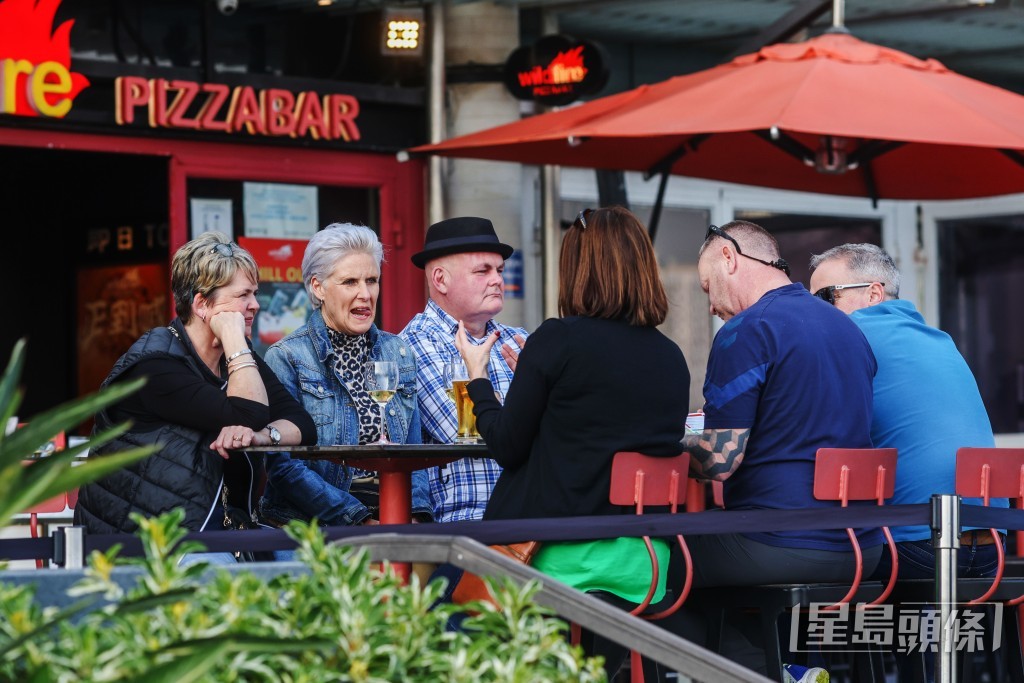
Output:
x,y
171,395
584,389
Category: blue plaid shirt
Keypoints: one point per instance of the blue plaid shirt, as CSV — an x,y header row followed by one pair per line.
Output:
x,y
461,489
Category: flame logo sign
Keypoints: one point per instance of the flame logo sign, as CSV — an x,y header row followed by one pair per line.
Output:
x,y
35,60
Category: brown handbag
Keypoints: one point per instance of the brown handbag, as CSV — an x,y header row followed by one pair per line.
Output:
x,y
471,587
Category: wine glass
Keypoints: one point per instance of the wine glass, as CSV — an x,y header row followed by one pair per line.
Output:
x,y
381,383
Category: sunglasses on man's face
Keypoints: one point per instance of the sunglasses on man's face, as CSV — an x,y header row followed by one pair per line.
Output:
x,y
715,231
829,293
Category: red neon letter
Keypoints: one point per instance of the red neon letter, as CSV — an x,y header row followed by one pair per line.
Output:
x,y
129,92
279,110
342,111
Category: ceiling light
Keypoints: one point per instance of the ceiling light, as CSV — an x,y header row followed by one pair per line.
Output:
x,y
403,32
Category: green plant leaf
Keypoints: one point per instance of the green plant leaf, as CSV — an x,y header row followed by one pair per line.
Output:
x,y
197,657
53,622
10,394
23,486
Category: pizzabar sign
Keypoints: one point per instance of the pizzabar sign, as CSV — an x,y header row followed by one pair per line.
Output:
x,y
37,79
556,70
216,107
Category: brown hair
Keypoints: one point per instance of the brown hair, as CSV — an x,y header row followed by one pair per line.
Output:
x,y
608,269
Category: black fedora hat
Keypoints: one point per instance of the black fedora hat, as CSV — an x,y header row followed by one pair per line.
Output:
x,y
460,235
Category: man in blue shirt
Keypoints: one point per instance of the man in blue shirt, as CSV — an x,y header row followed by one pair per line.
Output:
x,y
463,261
926,400
787,375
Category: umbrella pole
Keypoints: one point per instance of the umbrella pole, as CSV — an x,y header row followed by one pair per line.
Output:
x,y
659,201
838,18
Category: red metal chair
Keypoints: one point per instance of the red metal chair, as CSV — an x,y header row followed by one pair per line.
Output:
x,y
846,474
988,473
639,481
841,474
54,505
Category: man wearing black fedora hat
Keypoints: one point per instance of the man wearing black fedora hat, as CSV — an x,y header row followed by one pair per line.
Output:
x,y
463,261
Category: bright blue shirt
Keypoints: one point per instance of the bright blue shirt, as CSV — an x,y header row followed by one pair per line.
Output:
x,y
797,372
459,490
927,405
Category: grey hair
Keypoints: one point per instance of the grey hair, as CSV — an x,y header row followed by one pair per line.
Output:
x,y
867,262
330,245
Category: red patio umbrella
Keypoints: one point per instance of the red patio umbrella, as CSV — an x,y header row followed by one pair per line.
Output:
x,y
832,114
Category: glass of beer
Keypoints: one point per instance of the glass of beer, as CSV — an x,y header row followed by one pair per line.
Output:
x,y
458,379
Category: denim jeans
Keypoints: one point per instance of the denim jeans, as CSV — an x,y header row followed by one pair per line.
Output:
x,y
917,561
453,575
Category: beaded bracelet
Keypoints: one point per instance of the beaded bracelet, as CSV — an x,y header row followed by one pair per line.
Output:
x,y
240,366
237,354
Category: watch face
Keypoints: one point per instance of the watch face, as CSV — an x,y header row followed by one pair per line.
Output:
x,y
275,436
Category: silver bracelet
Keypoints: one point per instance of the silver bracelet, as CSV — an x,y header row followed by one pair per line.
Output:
x,y
240,366
236,354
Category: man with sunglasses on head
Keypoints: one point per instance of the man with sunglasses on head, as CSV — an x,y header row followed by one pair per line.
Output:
x,y
787,375
926,400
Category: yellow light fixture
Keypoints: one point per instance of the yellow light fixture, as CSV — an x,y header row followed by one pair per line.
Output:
x,y
325,3
403,32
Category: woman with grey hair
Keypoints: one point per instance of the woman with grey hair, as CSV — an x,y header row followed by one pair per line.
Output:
x,y
321,364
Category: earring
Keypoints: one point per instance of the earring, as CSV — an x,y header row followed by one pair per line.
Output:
x,y
202,316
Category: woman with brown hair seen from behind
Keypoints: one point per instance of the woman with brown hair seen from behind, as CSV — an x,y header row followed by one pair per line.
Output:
x,y
598,380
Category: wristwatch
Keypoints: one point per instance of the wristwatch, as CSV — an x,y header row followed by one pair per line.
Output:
x,y
275,436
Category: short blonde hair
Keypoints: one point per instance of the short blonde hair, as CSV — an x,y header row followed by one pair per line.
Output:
x,y
203,265
608,269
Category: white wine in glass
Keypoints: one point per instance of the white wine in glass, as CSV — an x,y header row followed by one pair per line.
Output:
x,y
381,383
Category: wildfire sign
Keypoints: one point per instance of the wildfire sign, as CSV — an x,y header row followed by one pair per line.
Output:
x,y
35,61
556,70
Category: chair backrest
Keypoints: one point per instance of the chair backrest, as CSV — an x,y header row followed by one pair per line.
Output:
x,y
640,480
990,473
718,494
57,503
846,474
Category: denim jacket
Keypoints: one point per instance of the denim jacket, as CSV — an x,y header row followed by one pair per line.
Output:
x,y
303,489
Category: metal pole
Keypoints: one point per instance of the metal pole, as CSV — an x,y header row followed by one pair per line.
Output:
x,y
946,541
551,219
551,225
72,538
435,100
837,15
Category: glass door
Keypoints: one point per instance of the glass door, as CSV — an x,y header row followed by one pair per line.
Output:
x,y
979,270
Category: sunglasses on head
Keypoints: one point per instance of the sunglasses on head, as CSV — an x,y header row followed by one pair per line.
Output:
x,y
829,293
223,249
715,231
581,218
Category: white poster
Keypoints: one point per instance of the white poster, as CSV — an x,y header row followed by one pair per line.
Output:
x,y
209,215
281,211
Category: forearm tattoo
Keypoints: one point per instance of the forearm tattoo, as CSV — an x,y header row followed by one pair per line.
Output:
x,y
716,453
